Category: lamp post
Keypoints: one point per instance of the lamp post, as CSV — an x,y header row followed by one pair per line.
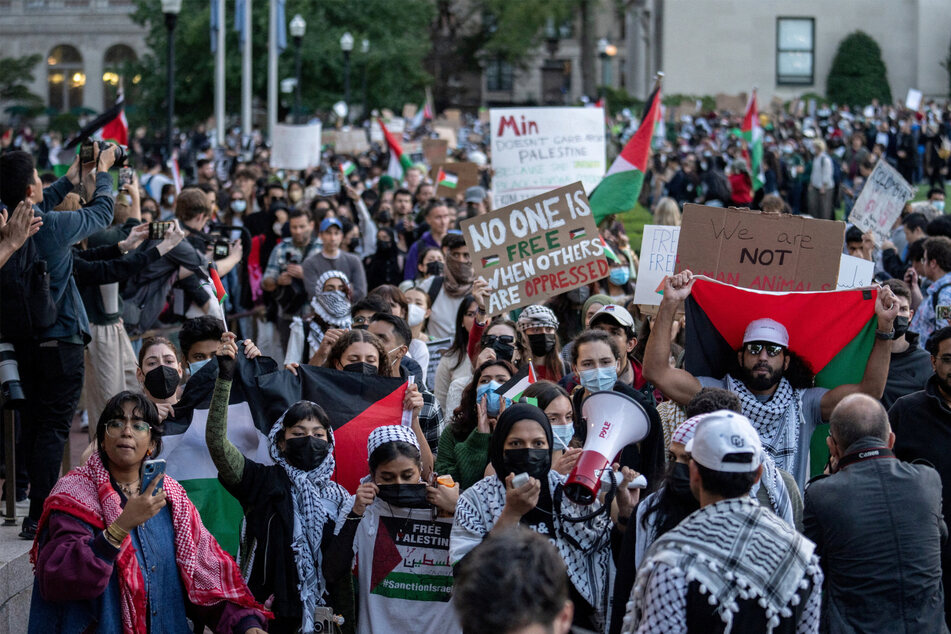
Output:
x,y
298,28
606,51
171,9
365,48
346,45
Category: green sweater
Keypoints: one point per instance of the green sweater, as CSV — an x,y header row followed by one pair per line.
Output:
x,y
464,460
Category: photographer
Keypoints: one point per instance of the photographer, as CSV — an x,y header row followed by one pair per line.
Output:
x,y
285,274
51,359
15,228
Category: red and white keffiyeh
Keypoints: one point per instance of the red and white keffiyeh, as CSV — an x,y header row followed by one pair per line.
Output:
x,y
208,573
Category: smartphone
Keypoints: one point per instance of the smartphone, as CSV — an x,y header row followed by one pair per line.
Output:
x,y
520,480
153,470
158,228
87,153
126,176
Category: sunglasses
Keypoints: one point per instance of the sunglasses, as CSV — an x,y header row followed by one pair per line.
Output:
x,y
771,349
489,340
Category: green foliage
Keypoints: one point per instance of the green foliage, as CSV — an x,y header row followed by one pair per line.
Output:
x,y
65,123
858,73
397,32
618,99
16,73
707,103
513,30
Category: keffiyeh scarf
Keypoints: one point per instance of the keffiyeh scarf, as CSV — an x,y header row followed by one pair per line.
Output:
x,y
777,421
208,574
331,308
316,500
736,550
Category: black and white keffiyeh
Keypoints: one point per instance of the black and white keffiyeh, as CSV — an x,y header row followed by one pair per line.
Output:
x,y
587,552
736,550
775,489
331,308
316,500
390,433
777,421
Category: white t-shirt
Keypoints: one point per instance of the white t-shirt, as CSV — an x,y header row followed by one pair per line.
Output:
x,y
405,580
442,321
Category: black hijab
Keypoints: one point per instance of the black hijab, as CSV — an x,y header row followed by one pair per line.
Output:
x,y
512,415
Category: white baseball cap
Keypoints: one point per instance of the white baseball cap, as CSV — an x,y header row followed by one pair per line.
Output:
x,y
726,441
767,330
618,314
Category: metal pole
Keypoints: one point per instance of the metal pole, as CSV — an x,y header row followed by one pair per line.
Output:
x,y
220,75
246,73
272,69
297,110
346,81
170,19
9,450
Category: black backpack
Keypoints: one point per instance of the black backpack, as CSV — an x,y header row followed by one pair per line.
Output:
x,y
27,307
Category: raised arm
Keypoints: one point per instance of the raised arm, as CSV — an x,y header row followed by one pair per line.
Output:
x,y
675,383
228,460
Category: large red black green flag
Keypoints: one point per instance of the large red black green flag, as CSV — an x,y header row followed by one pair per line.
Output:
x,y
831,331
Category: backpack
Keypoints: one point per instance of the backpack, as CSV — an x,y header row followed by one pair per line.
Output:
x,y
28,307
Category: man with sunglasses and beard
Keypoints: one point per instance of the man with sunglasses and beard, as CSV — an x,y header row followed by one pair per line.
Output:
x,y
784,413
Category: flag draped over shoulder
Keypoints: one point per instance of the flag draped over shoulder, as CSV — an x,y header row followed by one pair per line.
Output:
x,y
618,190
396,153
753,135
831,331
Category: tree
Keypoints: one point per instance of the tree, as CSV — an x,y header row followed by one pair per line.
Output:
x,y
397,32
15,75
858,74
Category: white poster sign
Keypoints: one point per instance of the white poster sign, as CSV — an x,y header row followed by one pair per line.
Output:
x,y
913,99
881,201
658,259
854,273
396,126
536,150
295,147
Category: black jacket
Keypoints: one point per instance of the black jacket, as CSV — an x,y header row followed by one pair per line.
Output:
x,y
908,372
878,529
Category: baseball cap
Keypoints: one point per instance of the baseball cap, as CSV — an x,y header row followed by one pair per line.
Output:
x,y
327,223
475,194
726,441
616,313
766,330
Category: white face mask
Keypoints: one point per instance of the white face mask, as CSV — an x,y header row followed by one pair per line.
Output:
x,y
415,315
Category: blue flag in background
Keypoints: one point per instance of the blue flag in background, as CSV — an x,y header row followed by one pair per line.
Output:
x,y
281,27
239,22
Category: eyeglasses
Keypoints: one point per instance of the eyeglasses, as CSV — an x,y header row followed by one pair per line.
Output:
x,y
115,427
489,340
945,359
771,349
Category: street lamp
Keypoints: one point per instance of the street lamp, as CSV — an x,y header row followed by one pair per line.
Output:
x,y
365,48
171,9
346,45
606,51
298,27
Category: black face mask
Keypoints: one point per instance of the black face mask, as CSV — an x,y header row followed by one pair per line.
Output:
x,y
679,480
434,268
161,382
901,326
361,367
353,244
384,246
305,453
503,351
407,496
541,344
534,462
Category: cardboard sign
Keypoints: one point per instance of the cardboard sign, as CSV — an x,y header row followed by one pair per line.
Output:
x,y
437,348
881,201
658,259
352,141
913,99
435,150
457,178
535,150
295,147
453,117
854,272
537,248
767,252
328,137
448,134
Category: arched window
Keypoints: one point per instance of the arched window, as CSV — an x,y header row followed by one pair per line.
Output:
x,y
115,65
65,78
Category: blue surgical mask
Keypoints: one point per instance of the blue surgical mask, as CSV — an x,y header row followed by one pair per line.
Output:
x,y
494,403
195,366
563,435
238,206
619,276
938,204
598,379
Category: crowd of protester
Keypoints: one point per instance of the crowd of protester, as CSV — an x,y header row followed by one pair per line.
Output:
x,y
361,271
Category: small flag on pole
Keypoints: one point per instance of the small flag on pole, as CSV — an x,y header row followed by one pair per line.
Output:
x,y
517,384
347,168
609,252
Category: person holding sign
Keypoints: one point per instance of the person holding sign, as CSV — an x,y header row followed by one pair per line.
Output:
x,y
785,416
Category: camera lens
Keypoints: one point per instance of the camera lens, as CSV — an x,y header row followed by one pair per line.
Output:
x,y
10,387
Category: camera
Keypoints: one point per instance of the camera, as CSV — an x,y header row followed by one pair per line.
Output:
x,y
158,228
10,388
87,152
325,620
222,248
293,258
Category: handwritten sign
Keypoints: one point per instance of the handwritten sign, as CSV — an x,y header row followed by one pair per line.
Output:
x,y
535,150
658,259
352,141
295,147
436,348
854,272
537,248
752,249
881,201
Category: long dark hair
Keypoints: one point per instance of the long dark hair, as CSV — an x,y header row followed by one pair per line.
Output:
x,y
143,408
460,340
670,509
466,417
352,337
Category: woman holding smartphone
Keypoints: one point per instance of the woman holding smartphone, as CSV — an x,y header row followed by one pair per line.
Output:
x,y
113,556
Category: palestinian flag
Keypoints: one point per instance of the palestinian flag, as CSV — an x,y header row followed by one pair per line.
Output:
x,y
347,168
490,261
117,130
447,179
618,191
609,252
106,118
514,387
220,293
396,153
577,233
752,134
